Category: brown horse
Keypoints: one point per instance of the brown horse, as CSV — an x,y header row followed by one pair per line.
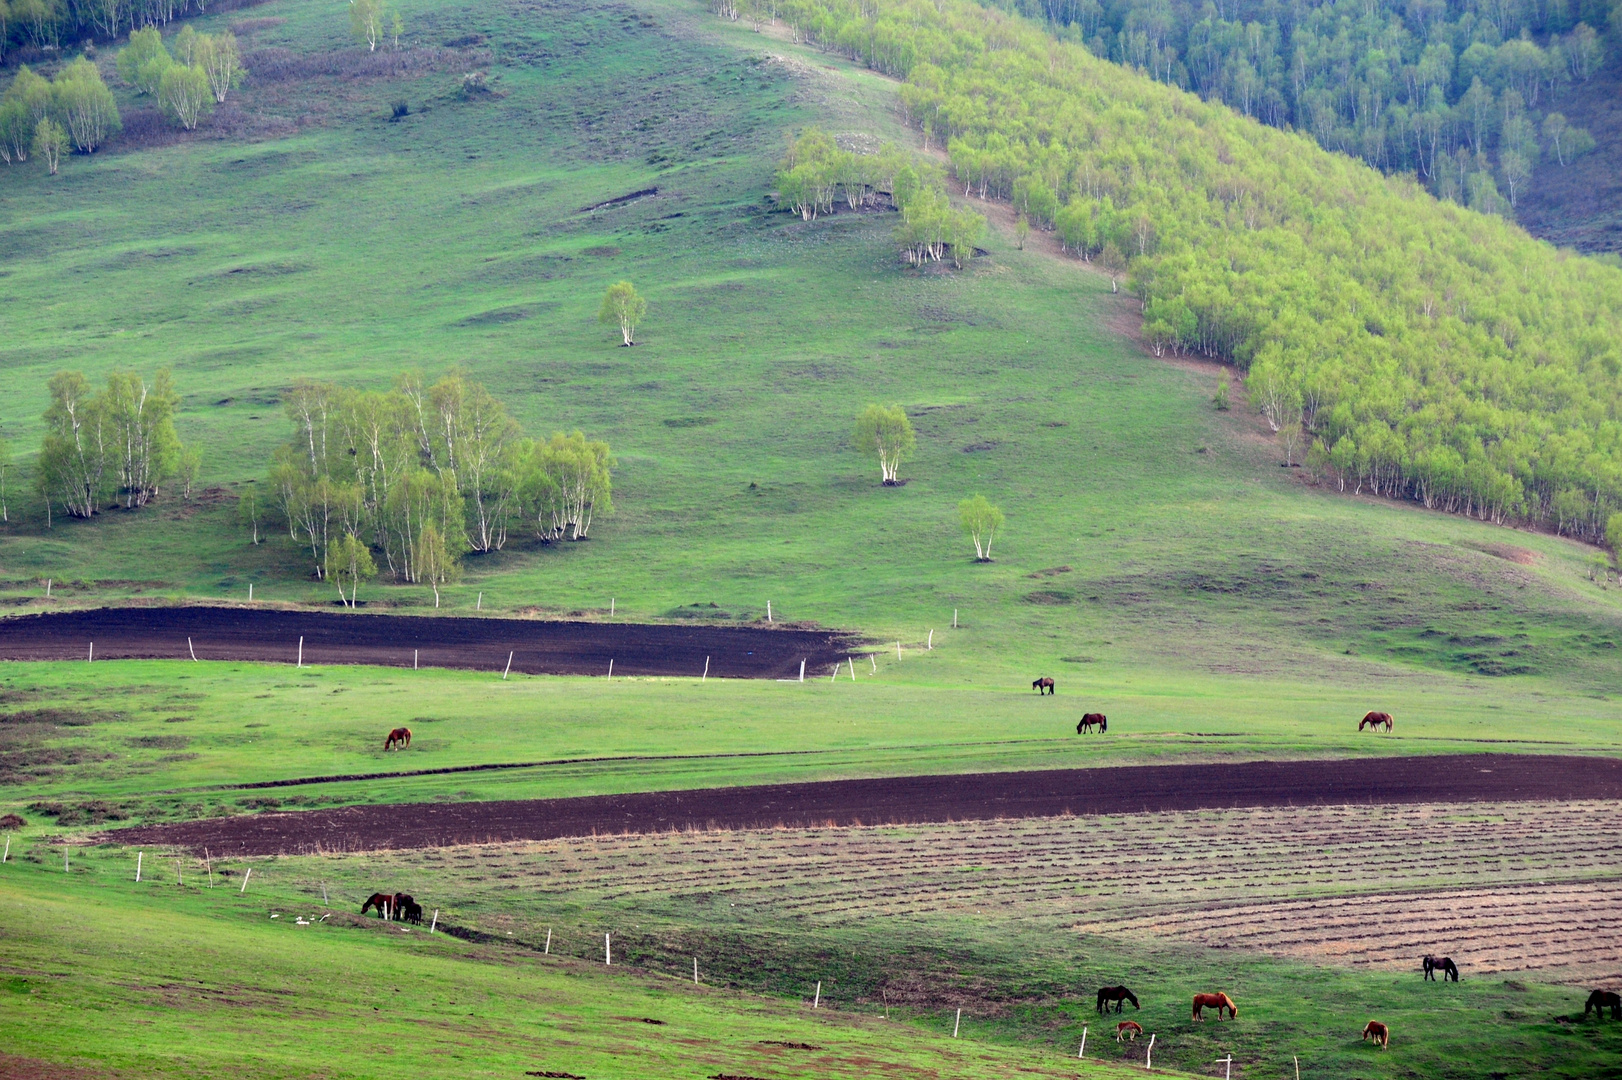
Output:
x,y
1129,1029
1118,994
1089,719
1444,964
1600,1000
1217,1002
1378,1032
399,738
382,901
1044,685
1373,721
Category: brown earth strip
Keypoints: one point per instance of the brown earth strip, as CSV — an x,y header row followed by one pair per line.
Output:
x,y
538,648
906,800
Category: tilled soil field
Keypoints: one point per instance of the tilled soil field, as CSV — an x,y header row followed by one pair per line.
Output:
x,y
907,800
537,648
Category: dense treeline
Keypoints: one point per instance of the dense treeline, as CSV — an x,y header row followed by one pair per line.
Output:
x,y
1463,93
422,475
38,25
816,173
1427,352
115,446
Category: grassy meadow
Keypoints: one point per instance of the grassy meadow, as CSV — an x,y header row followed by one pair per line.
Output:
x,y
1157,562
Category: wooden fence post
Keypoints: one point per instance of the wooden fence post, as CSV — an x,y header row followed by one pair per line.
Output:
x,y
301,651
509,667
191,650
1083,1051
245,878
1149,1054
138,855
956,1023
705,677
608,953
818,999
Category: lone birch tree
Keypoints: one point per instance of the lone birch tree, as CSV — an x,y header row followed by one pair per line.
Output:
x,y
888,433
980,521
349,561
623,305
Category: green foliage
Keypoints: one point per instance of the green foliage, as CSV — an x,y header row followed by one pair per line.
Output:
x,y
980,521
349,560
367,21
1400,85
1613,533
1262,238
184,94
50,142
426,474
887,432
624,307
85,105
221,62
1220,398
119,444
142,62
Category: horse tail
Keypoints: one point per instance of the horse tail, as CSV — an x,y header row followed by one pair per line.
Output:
x,y
1103,726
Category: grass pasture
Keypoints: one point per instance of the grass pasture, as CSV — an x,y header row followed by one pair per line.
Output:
x,y
1157,562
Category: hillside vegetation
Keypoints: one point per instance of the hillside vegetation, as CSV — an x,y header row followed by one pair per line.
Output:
x,y
1432,353
1467,96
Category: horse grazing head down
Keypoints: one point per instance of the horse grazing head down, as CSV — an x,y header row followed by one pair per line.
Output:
x,y
400,736
1089,719
1219,1002
1444,964
1378,1032
1600,1000
1374,720
1044,685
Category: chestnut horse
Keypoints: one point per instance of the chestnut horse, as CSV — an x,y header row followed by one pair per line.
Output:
x,y
1089,719
1373,721
1118,994
382,901
399,738
1130,1029
1044,685
1600,1000
1217,1002
1378,1032
1444,964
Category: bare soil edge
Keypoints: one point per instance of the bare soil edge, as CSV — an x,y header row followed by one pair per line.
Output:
x,y
905,800
536,648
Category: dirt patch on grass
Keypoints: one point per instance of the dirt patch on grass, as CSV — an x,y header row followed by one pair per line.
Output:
x,y
535,648
905,800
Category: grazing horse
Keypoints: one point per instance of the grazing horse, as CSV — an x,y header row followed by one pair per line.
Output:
x,y
1444,964
1118,994
1217,1002
1044,685
1378,1032
382,901
401,905
1600,1000
410,912
1089,719
1373,721
399,738
1129,1029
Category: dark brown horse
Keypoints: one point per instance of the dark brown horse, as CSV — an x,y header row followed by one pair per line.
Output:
x,y
1373,721
382,901
1044,685
1118,994
1089,719
1217,1002
1378,1032
399,738
1600,1000
1444,964
402,905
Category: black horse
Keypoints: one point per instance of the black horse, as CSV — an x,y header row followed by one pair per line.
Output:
x,y
1444,964
1600,1000
1118,994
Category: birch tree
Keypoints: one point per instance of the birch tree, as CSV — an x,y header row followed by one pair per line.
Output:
x,y
141,433
349,561
366,21
184,94
221,62
623,305
980,521
435,564
73,455
888,433
50,143
248,511
570,482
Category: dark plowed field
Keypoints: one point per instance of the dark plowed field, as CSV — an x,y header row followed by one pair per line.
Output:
x,y
908,800
538,648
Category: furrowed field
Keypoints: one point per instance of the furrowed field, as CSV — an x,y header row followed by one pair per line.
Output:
x,y
1156,562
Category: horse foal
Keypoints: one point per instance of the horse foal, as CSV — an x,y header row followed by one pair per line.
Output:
x,y
1378,1032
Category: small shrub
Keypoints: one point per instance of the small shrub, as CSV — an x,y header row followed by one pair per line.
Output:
x,y
399,110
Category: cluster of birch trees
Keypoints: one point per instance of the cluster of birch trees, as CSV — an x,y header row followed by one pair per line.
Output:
x,y
110,447
201,71
52,117
816,174
421,475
